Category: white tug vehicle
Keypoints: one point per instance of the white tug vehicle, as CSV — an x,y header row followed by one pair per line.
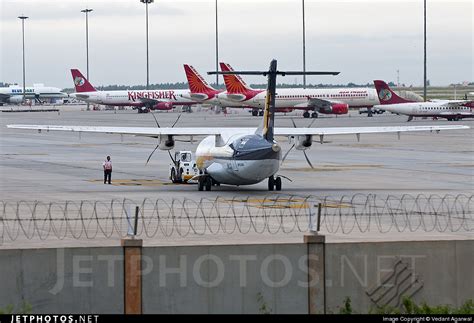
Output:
x,y
183,167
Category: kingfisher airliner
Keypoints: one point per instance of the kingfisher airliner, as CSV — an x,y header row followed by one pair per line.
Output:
x,y
452,110
143,100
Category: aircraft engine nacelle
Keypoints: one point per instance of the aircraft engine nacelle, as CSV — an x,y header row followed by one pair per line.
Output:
x,y
16,99
336,108
163,106
166,143
303,142
340,108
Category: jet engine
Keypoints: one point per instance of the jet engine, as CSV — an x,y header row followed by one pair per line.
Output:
x,y
303,142
336,108
166,143
163,106
340,108
16,99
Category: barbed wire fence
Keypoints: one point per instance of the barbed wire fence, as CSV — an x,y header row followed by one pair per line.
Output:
x,y
277,214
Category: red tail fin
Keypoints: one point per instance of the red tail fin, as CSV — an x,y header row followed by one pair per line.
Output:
x,y
80,82
386,95
196,83
234,83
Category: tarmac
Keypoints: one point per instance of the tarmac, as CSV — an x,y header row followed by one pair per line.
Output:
x,y
60,166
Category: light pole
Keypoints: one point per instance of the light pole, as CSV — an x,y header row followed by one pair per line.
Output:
x,y
304,49
146,2
217,49
23,36
424,59
86,11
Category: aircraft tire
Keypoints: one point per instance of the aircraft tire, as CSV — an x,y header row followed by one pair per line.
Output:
x,y
173,176
271,183
314,115
200,184
278,183
306,114
208,183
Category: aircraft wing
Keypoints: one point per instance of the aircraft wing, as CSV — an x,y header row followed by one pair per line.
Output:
x,y
458,103
148,101
201,131
138,131
81,96
361,130
317,103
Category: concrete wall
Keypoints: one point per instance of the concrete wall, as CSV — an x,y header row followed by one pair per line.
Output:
x,y
226,279
74,280
239,278
444,270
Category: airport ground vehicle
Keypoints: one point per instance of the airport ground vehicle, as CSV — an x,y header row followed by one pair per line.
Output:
x,y
374,111
183,167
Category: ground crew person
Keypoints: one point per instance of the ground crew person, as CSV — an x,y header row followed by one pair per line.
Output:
x,y
107,165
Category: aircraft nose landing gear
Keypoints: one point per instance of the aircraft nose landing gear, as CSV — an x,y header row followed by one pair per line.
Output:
x,y
274,183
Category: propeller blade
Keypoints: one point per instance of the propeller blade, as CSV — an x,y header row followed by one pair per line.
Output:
x,y
307,159
172,159
284,157
155,119
149,157
176,121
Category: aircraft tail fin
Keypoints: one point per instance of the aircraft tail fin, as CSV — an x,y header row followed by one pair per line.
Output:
x,y
233,82
196,82
386,95
80,82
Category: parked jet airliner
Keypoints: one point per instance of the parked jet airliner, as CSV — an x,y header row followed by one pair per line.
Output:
x,y
14,93
449,109
241,156
144,100
326,101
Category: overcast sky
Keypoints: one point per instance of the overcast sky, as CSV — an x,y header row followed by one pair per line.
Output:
x,y
364,40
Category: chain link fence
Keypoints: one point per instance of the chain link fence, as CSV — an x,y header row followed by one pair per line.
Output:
x,y
277,214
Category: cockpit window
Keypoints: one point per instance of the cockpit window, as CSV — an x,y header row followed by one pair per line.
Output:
x,y
186,157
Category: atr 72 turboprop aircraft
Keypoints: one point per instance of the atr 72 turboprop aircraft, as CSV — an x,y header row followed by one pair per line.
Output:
x,y
241,156
144,100
449,109
14,93
326,101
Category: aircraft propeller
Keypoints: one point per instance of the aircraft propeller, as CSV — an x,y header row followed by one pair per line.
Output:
x,y
158,145
293,146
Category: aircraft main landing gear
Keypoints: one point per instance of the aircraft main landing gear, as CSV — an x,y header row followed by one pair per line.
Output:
x,y
306,114
274,183
314,115
204,182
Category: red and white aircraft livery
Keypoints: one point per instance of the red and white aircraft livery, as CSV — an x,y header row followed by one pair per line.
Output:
x,y
144,100
449,109
327,101
201,91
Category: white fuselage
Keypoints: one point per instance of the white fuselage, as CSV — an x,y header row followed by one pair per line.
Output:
x,y
222,164
40,92
298,98
133,98
429,109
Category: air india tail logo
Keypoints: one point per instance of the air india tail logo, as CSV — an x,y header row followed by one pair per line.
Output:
x,y
79,81
385,95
